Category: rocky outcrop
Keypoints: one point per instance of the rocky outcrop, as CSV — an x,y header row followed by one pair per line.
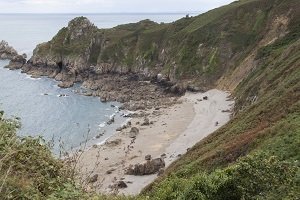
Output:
x,y
6,51
17,62
147,168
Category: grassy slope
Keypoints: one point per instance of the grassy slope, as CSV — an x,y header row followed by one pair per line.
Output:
x,y
271,124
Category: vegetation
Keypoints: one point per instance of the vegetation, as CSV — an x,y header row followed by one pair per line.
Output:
x,y
266,120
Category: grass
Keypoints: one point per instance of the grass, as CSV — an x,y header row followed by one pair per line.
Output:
x,y
269,125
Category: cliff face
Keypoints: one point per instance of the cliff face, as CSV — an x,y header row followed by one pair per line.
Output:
x,y
215,48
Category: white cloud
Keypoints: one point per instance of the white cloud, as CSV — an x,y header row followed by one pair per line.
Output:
x,y
104,6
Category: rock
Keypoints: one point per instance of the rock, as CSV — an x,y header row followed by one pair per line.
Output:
x,y
205,98
121,184
148,157
159,77
99,135
111,120
93,179
113,143
134,131
6,51
63,95
110,171
103,99
193,88
224,111
16,62
121,128
147,168
163,155
146,122
66,84
160,172
178,89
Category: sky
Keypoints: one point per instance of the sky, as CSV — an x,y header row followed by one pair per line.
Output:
x,y
107,6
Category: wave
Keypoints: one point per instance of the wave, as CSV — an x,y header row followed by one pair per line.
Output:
x,y
102,124
31,78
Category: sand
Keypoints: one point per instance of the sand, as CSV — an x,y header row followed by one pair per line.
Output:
x,y
174,130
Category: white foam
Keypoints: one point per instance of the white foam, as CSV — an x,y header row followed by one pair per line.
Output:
x,y
102,124
34,79
112,116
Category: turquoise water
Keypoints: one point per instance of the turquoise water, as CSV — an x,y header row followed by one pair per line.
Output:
x,y
67,118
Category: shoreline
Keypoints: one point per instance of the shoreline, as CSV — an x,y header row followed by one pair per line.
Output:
x,y
171,132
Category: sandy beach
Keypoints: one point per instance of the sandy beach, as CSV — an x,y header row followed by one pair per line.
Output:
x,y
171,132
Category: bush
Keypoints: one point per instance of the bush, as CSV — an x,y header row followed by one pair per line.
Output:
x,y
257,176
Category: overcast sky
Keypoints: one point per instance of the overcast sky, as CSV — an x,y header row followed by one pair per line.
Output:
x,y
107,6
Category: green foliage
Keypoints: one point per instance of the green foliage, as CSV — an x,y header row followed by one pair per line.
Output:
x,y
256,176
28,169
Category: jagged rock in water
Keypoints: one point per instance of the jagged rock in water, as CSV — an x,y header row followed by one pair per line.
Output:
x,y
17,62
6,51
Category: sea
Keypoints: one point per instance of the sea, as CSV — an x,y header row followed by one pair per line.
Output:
x,y
60,116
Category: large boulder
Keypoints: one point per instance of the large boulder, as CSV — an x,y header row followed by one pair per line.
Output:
x,y
147,168
17,62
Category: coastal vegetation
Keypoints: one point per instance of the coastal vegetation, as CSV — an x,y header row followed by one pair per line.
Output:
x,y
251,47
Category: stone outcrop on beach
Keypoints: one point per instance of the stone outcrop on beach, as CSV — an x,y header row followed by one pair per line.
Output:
x,y
6,51
149,167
